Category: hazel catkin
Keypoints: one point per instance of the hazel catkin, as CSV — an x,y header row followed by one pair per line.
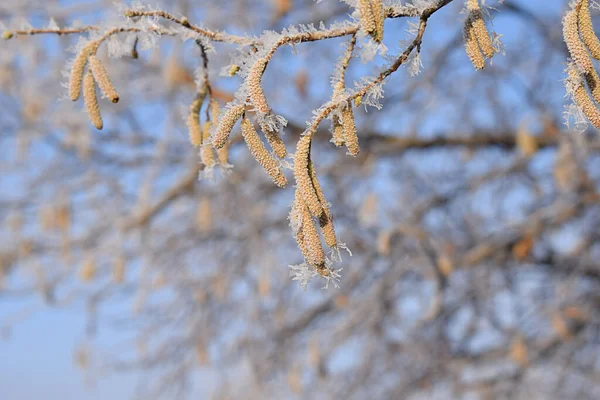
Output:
x,y
349,128
586,28
101,76
91,101
78,70
255,91
226,124
261,154
302,175
576,47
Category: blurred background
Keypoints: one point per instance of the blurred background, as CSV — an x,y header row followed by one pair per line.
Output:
x,y
472,213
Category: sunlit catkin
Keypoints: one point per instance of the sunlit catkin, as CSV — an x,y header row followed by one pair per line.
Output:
x,y
255,91
379,16
367,18
471,45
261,154
576,47
193,122
226,123
338,132
103,80
583,99
593,82
326,219
275,141
479,29
587,30
349,127
78,69
302,175
91,101
311,238
207,153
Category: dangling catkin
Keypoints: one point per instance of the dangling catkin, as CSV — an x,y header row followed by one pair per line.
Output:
x,y
593,81
367,18
193,122
349,127
583,99
103,80
311,238
379,16
255,91
302,175
338,132
576,47
77,70
326,220
207,154
274,140
471,45
479,29
261,154
587,29
223,154
226,124
91,101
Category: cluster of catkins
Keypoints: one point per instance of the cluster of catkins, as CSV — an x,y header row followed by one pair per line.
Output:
x,y
583,44
478,42
95,74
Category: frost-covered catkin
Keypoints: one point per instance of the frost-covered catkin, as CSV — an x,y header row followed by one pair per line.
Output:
x,y
91,101
471,45
326,220
576,47
367,19
261,154
207,153
103,80
193,122
78,70
338,131
349,127
274,140
593,81
379,16
302,175
226,124
479,29
582,98
255,91
316,256
587,30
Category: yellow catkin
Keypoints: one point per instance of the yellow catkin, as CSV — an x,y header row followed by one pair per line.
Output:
x,y
78,69
103,80
302,175
223,154
316,256
326,219
593,82
349,127
587,30
207,153
338,132
261,154
583,100
379,16
482,35
275,141
193,122
367,19
226,124
91,101
576,47
255,91
471,45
